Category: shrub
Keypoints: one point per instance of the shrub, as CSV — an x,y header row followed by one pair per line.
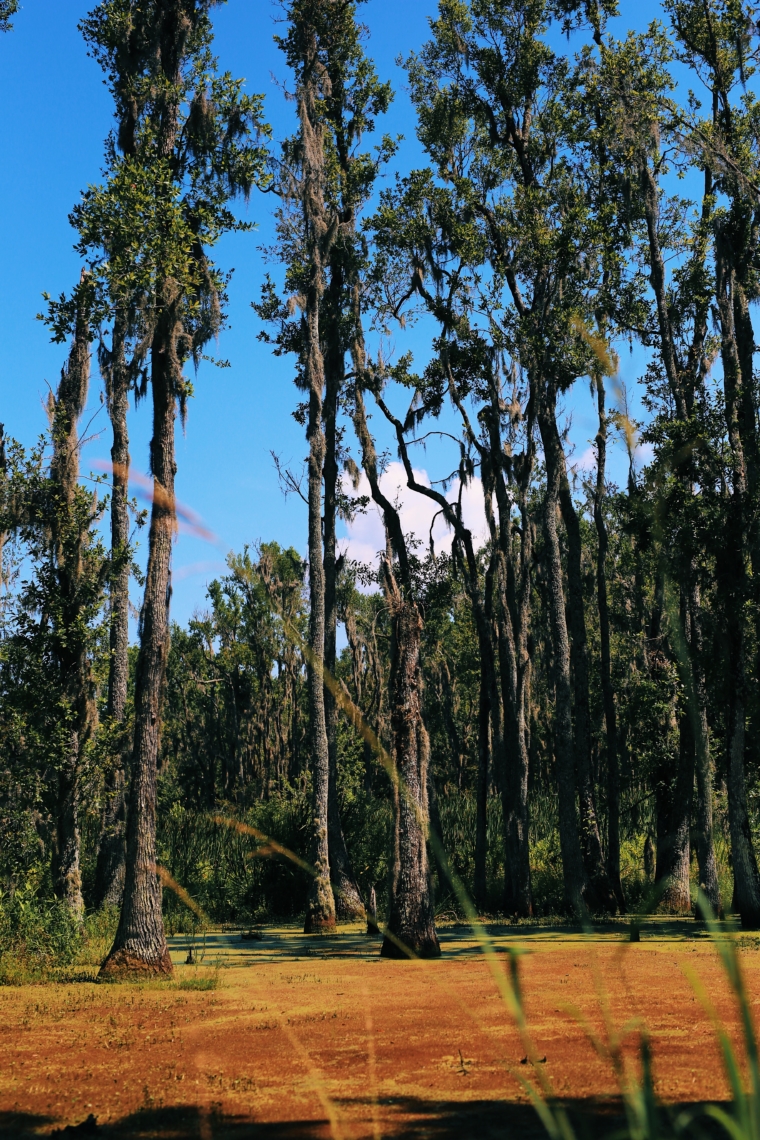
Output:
x,y
37,936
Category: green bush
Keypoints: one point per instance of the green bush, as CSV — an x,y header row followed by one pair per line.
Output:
x,y
221,871
37,935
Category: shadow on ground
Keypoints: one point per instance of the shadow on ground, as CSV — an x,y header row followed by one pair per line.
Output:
x,y
401,1119
290,944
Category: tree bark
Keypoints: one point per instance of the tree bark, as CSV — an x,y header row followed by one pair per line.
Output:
x,y
572,861
708,870
600,894
519,899
732,580
112,848
513,774
683,383
674,797
67,875
320,905
512,617
348,900
481,792
411,923
410,931
71,657
605,662
140,948
501,698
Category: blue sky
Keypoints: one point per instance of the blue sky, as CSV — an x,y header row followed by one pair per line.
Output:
x,y
56,117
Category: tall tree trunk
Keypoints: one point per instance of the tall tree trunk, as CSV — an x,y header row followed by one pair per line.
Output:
x,y
497,643
733,585
320,231
67,538
708,870
112,848
348,901
513,580
510,614
694,749
411,923
674,797
605,663
572,860
481,791
320,905
140,948
501,706
518,848
67,874
600,893
673,780
746,895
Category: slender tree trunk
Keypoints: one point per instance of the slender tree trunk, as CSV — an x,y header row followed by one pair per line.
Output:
x,y
67,875
672,863
348,901
112,848
517,824
517,889
512,612
67,539
600,893
492,761
605,663
320,231
732,580
411,923
708,870
513,804
410,930
140,948
674,803
746,895
673,779
481,793
572,861
320,905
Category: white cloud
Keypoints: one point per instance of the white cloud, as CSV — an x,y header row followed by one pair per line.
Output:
x,y
644,454
586,461
365,536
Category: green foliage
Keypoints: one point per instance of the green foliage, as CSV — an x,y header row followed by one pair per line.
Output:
x,y
234,718
36,935
230,874
187,142
226,868
43,629
42,941
8,8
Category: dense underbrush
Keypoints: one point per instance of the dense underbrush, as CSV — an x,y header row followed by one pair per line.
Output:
x,y
223,869
41,940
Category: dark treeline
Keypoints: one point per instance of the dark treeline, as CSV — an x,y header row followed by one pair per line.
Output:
x,y
562,712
